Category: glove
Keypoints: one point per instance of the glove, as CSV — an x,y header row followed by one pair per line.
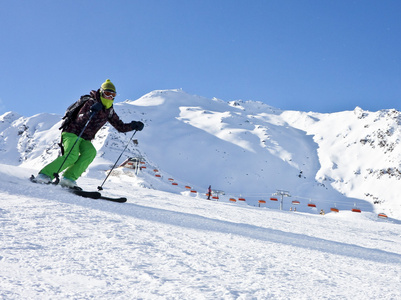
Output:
x,y
137,125
96,107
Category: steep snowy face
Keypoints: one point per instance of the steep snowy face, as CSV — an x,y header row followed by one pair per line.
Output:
x,y
23,140
359,152
238,147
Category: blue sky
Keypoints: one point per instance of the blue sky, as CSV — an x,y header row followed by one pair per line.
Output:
x,y
307,55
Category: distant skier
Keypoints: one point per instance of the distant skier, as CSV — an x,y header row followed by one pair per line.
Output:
x,y
209,192
78,151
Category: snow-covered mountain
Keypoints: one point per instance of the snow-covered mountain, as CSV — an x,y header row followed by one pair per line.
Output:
x,y
246,149
168,242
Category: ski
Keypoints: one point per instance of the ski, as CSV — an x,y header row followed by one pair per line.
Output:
x,y
87,194
119,200
96,195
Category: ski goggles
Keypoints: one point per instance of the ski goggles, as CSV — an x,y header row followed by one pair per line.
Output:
x,y
109,94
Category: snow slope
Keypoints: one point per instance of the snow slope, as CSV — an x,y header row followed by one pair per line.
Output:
x,y
169,242
161,245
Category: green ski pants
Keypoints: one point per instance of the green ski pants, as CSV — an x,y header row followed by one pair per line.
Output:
x,y
77,161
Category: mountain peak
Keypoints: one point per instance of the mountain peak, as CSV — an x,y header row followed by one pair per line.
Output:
x,y
240,147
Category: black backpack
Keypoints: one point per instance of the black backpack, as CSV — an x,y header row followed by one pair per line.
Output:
x,y
72,111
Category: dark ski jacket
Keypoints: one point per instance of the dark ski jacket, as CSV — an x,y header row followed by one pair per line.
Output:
x,y
97,121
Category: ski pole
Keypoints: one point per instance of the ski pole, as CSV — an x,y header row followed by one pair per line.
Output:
x,y
100,187
56,175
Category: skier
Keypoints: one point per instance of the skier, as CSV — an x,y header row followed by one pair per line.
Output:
x,y
209,192
78,151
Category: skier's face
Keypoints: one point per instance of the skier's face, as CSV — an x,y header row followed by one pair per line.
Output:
x,y
109,94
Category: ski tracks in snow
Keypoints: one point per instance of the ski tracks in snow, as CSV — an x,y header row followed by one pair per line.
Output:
x,y
164,246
